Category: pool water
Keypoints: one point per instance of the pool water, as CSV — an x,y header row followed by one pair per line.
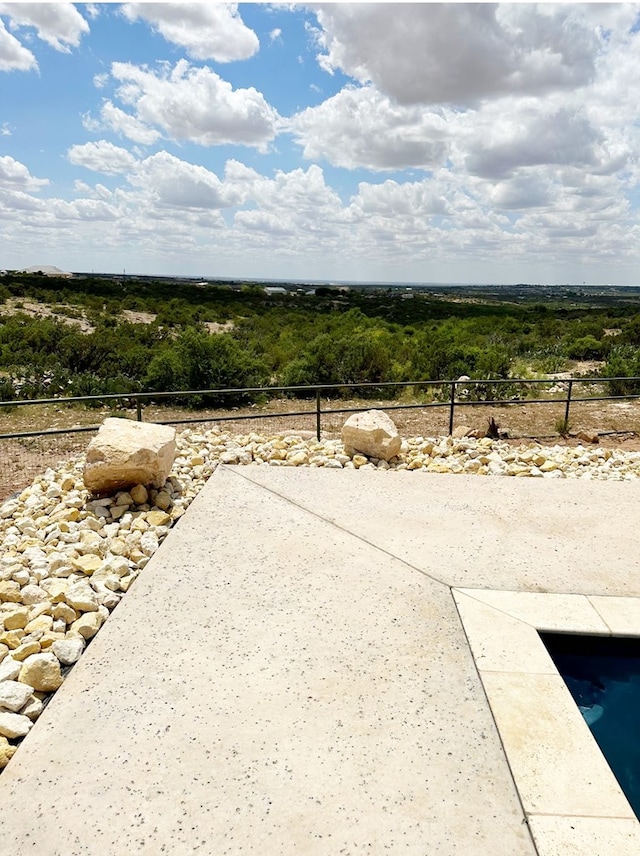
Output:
x,y
603,676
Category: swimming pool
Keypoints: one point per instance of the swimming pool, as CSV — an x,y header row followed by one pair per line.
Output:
x,y
603,676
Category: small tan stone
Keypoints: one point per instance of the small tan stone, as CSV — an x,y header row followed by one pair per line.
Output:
x,y
42,623
88,624
10,592
12,638
26,650
49,637
16,619
461,431
117,547
7,751
81,597
87,563
42,672
588,435
55,588
33,708
163,500
65,612
37,609
416,463
139,494
66,515
158,518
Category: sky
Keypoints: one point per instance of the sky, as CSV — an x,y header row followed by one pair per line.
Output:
x,y
368,142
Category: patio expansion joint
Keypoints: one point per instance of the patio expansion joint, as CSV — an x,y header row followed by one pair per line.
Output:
x,y
343,529
578,815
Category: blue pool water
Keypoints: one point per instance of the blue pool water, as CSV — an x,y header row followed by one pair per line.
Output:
x,y
603,676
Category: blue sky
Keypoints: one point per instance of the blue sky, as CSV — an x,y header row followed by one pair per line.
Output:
x,y
373,142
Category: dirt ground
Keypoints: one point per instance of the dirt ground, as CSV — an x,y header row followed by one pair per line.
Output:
x,y
21,460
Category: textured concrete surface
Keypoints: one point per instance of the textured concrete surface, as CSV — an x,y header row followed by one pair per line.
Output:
x,y
290,675
573,536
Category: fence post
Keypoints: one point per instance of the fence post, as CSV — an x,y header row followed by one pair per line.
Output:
x,y
452,405
318,415
138,410
568,404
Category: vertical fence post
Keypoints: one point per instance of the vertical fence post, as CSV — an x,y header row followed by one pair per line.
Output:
x,y
567,405
138,410
318,427
452,405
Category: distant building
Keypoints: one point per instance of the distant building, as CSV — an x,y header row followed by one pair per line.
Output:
x,y
47,270
274,289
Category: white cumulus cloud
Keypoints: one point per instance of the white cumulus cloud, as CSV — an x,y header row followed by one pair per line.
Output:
x,y
359,127
558,137
296,202
102,156
13,55
174,183
206,31
84,210
195,104
458,53
58,24
15,176
123,123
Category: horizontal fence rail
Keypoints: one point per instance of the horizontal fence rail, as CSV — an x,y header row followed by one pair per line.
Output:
x,y
458,392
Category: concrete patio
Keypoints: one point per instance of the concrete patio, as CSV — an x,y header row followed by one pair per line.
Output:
x,y
339,662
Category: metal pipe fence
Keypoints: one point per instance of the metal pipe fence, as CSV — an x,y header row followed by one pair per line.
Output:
x,y
460,394
314,410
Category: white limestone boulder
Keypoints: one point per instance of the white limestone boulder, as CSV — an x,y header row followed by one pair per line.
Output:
x,y
13,695
372,433
125,453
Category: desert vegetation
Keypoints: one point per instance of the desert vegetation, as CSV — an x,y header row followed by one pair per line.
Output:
x,y
100,335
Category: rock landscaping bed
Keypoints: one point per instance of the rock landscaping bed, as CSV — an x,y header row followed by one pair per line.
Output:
x,y
67,557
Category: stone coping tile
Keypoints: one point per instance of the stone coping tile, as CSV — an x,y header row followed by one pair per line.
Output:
x,y
573,613
555,761
577,836
499,641
622,614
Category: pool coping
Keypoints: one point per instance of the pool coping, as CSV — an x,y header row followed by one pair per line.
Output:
x,y
570,796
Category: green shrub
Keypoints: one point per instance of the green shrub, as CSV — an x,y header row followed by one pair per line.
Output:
x,y
197,360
